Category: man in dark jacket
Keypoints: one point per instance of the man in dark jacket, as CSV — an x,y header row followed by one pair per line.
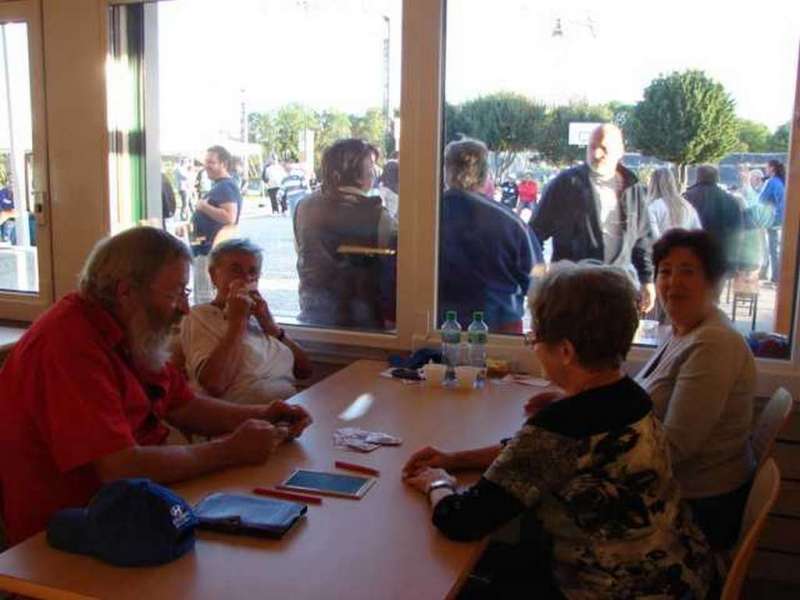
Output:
x,y
598,210
720,213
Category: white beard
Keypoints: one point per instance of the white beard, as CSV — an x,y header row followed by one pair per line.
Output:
x,y
148,340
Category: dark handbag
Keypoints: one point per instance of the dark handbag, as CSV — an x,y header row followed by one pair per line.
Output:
x,y
233,513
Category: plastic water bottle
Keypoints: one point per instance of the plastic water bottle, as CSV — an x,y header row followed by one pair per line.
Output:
x,y
451,341
477,336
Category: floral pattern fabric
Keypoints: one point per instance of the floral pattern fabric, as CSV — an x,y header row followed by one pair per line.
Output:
x,y
612,508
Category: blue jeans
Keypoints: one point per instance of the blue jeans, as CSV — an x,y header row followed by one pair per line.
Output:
x,y
774,242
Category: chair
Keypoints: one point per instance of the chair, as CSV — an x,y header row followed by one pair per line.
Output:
x,y
771,421
759,502
745,294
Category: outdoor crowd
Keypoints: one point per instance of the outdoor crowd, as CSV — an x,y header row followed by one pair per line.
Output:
x,y
627,486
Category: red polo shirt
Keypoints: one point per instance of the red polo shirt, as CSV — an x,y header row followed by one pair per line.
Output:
x,y
68,396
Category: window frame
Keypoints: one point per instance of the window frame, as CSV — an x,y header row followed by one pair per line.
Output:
x,y
76,94
18,305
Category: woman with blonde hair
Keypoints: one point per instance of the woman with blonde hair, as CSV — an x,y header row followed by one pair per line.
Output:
x,y
668,210
485,250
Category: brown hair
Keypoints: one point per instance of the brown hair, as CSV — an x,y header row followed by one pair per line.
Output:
x,y
343,163
592,306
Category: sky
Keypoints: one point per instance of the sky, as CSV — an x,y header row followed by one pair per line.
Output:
x,y
329,54
614,55
213,55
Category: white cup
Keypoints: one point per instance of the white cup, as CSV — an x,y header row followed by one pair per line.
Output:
x,y
434,374
467,377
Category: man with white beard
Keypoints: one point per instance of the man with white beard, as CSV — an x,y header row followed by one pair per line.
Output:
x,y
85,392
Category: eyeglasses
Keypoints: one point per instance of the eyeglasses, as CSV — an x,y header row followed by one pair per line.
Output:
x,y
175,297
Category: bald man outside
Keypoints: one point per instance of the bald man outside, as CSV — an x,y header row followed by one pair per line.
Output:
x,y
598,210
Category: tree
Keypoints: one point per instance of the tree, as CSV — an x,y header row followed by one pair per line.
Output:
x,y
506,122
753,137
333,125
779,141
261,130
371,126
622,117
289,122
455,127
686,118
554,145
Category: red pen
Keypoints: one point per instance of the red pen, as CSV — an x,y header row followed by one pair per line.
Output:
x,y
353,467
287,495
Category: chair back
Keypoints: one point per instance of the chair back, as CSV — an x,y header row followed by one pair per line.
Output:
x,y
771,421
759,502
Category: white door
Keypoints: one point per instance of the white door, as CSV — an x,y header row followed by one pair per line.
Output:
x,y
25,239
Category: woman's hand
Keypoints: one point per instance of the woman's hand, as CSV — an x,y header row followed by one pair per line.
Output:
x,y
422,480
426,458
543,400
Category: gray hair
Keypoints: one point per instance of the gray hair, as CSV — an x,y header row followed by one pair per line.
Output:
x,y
466,164
592,306
232,246
136,255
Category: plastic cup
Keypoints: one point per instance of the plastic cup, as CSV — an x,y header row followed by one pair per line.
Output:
x,y
467,377
434,374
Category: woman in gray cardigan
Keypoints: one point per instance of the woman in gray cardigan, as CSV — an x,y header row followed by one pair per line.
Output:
x,y
702,380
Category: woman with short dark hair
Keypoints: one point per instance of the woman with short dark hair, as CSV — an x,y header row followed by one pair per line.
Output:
x,y
594,466
702,380
344,241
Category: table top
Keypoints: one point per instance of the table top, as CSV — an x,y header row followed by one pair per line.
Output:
x,y
382,546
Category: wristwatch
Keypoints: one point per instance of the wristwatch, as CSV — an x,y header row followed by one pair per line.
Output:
x,y
439,484
281,335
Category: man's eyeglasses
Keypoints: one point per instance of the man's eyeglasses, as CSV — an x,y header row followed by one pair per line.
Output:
x,y
176,297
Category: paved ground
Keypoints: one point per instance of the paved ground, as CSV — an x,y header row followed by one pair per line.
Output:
x,y
279,280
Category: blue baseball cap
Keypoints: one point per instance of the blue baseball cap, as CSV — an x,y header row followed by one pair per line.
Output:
x,y
129,522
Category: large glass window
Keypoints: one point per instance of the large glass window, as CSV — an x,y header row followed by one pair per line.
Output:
x,y
702,96
18,256
268,87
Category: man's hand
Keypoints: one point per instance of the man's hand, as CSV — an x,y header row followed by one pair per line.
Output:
x,y
295,417
253,441
427,458
263,314
647,297
238,302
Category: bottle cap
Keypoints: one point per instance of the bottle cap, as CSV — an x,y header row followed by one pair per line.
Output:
x,y
477,315
450,315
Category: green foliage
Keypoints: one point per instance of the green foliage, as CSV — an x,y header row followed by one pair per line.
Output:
x,y
289,122
622,117
753,137
455,127
333,125
261,130
371,126
554,145
686,118
506,122
779,141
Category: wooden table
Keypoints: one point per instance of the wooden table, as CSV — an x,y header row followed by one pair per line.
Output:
x,y
382,546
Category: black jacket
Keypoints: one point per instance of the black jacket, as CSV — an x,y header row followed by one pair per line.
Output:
x,y
569,213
